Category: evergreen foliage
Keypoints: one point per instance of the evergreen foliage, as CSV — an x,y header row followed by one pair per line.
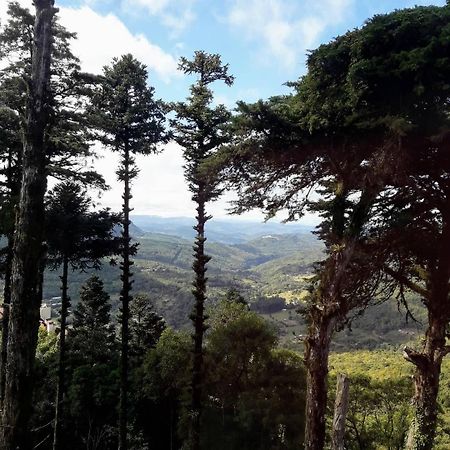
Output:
x,y
362,140
256,391
371,112
200,129
92,335
146,327
78,238
75,232
28,252
129,121
68,140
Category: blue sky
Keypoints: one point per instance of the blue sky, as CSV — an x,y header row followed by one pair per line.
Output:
x,y
263,41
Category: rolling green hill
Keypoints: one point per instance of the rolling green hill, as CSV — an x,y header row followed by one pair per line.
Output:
x,y
266,267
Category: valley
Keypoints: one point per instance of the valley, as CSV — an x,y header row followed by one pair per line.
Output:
x,y
269,264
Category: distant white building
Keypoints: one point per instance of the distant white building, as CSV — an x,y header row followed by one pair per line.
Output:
x,y
50,315
46,312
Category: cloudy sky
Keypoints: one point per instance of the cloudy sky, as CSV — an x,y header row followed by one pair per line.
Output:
x,y
264,42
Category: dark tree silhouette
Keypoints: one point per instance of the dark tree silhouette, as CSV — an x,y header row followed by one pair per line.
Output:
x,y
28,256
92,336
11,171
200,130
67,137
415,211
131,123
367,121
146,327
77,239
274,164
66,132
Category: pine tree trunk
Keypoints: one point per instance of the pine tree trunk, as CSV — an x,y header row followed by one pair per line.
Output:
x,y
59,405
13,184
5,319
125,300
198,318
28,248
426,385
317,350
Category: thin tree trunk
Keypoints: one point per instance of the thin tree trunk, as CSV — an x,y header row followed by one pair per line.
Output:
x,y
198,318
324,317
59,405
13,185
5,319
317,350
28,248
125,299
340,412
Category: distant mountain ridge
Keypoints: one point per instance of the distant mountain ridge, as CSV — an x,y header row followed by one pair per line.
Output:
x,y
227,231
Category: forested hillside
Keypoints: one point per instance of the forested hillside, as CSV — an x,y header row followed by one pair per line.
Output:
x,y
189,332
272,273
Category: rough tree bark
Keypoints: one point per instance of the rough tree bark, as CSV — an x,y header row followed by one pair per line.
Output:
x,y
59,404
340,412
428,362
324,317
5,318
426,382
28,246
198,316
125,298
13,185
317,349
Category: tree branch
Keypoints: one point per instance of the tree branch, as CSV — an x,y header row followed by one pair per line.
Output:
x,y
418,359
406,282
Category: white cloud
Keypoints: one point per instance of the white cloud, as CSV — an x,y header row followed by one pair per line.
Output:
x,y
100,38
176,15
285,28
160,188
3,8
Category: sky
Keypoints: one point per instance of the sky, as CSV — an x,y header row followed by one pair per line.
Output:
x,y
265,43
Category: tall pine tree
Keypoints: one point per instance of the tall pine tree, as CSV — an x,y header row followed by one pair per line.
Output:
x,y
131,123
92,335
66,133
200,129
77,239
28,253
